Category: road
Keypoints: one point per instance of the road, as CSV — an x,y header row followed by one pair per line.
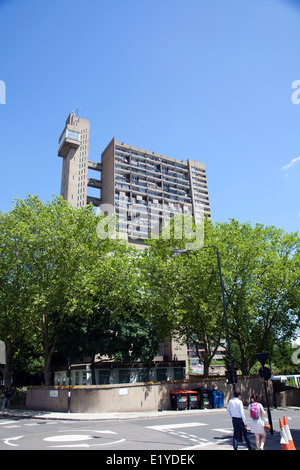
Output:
x,y
181,434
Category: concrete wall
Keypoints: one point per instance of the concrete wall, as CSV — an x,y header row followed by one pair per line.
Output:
x,y
288,398
133,397
108,174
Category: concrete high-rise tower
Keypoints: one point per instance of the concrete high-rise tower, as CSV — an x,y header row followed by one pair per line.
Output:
x,y
74,149
145,188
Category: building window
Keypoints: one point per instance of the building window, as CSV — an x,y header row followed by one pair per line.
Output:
x,y
161,374
72,135
84,378
124,376
104,376
143,375
178,373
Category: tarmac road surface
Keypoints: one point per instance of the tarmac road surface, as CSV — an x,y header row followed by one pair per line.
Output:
x,y
152,435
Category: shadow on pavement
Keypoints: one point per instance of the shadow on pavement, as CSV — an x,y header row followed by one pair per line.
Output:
x,y
21,414
272,441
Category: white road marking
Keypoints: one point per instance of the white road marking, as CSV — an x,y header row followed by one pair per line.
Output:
x,y
170,429
92,430
207,443
69,438
163,427
12,426
64,439
7,441
90,445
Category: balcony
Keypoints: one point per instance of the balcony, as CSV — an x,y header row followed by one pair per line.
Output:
x,y
94,166
93,183
93,200
69,139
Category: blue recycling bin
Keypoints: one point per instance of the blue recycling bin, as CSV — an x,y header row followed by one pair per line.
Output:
x,y
217,399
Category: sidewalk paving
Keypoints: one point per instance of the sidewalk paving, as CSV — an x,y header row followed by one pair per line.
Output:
x,y
38,414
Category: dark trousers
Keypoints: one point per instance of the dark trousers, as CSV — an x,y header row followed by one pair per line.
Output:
x,y
238,425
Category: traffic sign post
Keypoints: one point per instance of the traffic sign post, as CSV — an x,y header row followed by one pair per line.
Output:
x,y
265,374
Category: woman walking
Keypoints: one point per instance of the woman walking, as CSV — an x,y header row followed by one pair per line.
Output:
x,y
256,411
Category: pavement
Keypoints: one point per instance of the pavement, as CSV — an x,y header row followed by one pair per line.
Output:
x,y
48,415
272,441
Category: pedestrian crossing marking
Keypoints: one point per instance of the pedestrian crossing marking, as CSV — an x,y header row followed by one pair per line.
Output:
x,y
163,427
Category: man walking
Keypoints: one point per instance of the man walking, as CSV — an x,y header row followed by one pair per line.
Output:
x,y
235,410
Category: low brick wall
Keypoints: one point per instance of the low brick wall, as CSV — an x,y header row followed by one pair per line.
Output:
x,y
134,397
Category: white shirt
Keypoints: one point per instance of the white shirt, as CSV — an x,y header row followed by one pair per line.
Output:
x,y
235,409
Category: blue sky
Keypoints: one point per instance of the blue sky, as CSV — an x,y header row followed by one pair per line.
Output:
x,y
209,80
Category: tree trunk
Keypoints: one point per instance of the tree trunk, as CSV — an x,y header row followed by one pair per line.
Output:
x,y
48,349
47,369
206,364
205,358
48,353
244,363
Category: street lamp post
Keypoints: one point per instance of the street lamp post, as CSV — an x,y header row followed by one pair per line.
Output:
x,y
178,252
267,344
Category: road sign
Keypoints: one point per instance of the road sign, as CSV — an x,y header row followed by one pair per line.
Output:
x,y
265,373
262,357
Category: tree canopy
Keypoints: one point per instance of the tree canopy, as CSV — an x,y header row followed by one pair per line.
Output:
x,y
52,264
261,276
65,290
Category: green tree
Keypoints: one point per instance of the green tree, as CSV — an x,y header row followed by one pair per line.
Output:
x,y
184,292
116,327
261,278
51,252
281,358
15,291
202,315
